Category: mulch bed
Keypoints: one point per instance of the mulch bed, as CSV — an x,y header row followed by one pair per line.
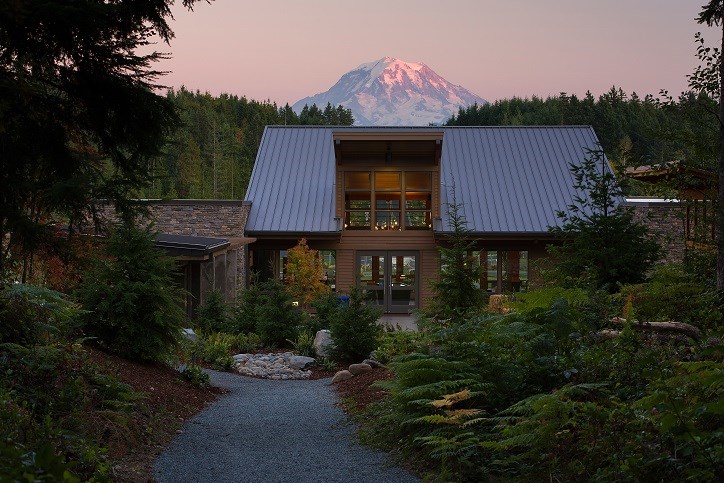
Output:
x,y
357,393
167,401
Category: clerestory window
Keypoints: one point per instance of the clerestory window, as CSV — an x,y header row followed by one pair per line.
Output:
x,y
388,200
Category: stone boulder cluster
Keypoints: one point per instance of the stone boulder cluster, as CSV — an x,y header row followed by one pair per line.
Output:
x,y
286,365
355,370
278,366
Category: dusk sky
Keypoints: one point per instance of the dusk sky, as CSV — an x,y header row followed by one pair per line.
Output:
x,y
284,50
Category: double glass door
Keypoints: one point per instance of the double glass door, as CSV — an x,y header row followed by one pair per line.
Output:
x,y
389,279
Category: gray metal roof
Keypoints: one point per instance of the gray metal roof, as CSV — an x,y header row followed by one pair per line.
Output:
x,y
508,179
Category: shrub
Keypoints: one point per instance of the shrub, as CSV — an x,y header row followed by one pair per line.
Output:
x,y
196,376
216,349
134,307
245,314
26,312
304,345
400,342
304,274
212,315
354,329
276,319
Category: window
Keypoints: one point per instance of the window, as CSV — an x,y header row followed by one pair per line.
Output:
x,y
329,263
502,271
396,201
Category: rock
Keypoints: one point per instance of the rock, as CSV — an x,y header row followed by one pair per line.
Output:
x,y
342,376
241,357
357,369
189,334
323,342
300,362
373,363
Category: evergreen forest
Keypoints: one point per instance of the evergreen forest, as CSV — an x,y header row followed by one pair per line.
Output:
x,y
212,153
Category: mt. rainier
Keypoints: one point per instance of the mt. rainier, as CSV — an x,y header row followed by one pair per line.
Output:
x,y
392,92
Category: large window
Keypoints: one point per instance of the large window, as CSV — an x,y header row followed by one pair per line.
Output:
x,y
388,200
502,271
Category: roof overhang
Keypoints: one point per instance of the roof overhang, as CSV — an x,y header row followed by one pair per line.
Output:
x,y
285,235
187,247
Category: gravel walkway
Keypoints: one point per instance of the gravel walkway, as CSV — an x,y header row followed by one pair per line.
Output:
x,y
272,431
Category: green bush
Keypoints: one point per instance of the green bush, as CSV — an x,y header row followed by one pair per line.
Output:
x,y
354,330
46,392
27,312
276,319
212,315
304,345
672,294
246,342
216,349
132,302
196,376
245,314
394,343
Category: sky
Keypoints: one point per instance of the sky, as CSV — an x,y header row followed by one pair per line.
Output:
x,y
284,50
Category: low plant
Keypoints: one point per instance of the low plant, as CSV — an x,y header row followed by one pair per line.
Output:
x,y
327,364
394,343
216,349
304,345
196,376
246,342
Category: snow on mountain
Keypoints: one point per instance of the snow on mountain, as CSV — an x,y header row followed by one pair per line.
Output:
x,y
392,92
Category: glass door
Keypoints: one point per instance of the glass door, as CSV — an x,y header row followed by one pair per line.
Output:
x,y
389,280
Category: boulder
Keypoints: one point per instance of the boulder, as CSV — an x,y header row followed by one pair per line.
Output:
x,y
300,362
342,376
357,369
189,334
373,363
323,342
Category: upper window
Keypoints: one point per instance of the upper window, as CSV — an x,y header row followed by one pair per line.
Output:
x,y
398,200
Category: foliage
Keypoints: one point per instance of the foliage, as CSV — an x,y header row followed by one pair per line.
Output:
x,y
196,376
354,329
326,305
212,315
304,274
277,319
133,306
455,293
47,392
216,348
74,73
602,245
212,154
245,313
672,294
27,311
327,364
394,343
533,395
304,345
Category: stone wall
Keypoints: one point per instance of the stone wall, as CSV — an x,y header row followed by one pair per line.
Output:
x,y
666,220
212,218
207,218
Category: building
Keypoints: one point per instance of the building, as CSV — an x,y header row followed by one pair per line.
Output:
x,y
374,202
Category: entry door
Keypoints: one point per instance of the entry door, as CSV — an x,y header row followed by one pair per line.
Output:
x,y
389,279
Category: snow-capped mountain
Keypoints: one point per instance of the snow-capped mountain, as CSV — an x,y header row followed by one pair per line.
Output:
x,y
392,92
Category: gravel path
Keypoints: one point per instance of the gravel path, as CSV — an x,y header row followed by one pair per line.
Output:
x,y
272,431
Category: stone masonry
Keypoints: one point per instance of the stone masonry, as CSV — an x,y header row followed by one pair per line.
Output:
x,y
664,219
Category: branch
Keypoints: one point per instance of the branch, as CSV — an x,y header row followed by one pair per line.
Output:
x,y
668,326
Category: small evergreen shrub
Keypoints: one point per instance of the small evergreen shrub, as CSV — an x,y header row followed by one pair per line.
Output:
x,y
354,330
132,302
212,315
245,314
276,319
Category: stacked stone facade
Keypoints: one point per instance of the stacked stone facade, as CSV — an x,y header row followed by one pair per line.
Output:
x,y
667,221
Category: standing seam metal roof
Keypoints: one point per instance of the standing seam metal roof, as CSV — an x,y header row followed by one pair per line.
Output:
x,y
507,179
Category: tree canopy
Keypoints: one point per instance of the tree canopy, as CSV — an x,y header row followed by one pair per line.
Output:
x,y
79,120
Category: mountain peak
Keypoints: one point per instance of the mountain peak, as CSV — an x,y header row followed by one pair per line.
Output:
x,y
390,91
